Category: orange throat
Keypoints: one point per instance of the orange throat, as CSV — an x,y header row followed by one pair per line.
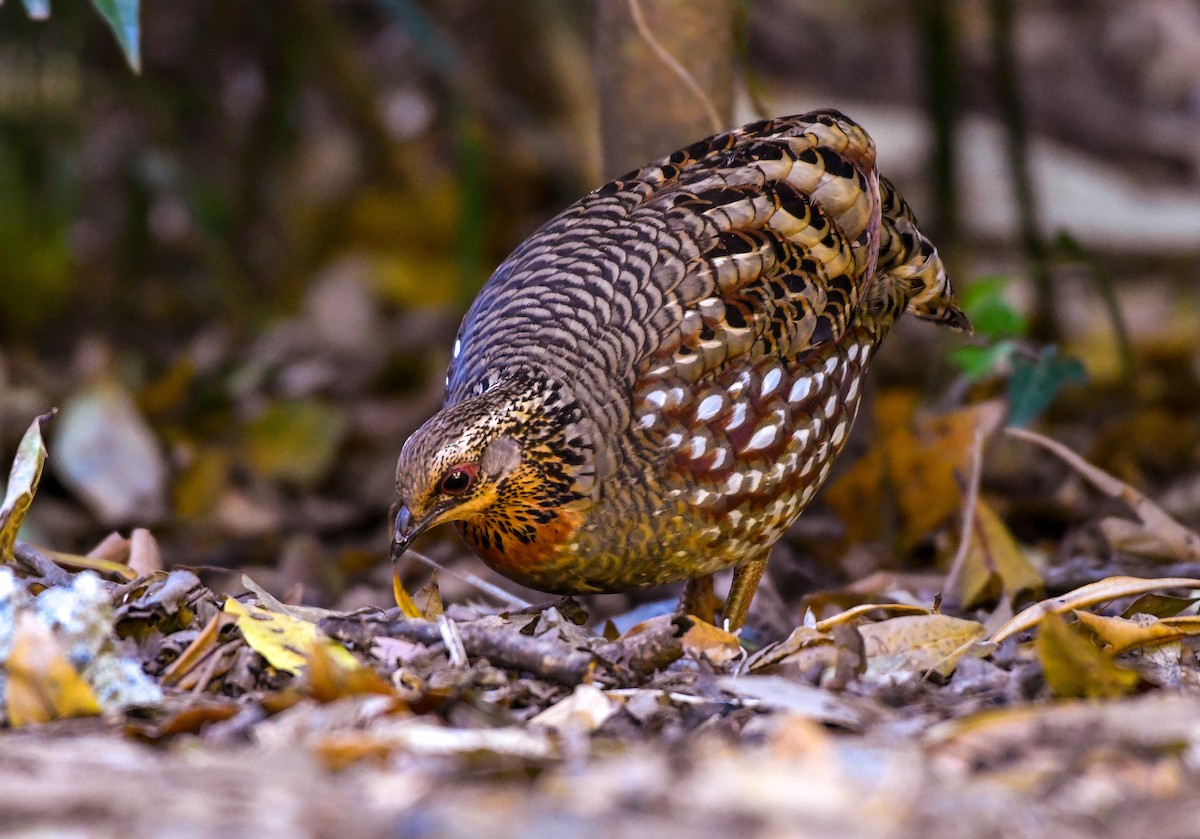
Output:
x,y
519,548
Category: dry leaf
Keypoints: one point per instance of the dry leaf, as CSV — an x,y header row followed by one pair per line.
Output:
x,y
144,556
195,652
407,607
22,484
705,642
866,608
42,685
803,700
285,641
109,456
913,470
1158,605
584,711
918,643
995,564
1156,534
802,638
1075,667
428,599
1107,589
327,679
1122,634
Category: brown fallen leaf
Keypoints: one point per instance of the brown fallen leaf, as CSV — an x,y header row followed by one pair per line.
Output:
x,y
772,655
994,565
190,719
918,643
429,599
912,469
705,642
1076,667
114,548
1159,605
1110,588
144,555
200,648
329,677
1122,634
1155,534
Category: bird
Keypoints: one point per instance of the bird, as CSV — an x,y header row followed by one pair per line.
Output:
x,y
654,384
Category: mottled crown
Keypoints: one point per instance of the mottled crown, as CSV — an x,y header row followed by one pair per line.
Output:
x,y
531,412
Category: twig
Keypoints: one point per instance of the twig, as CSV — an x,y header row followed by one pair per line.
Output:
x,y
689,81
453,641
954,575
41,564
1179,542
629,659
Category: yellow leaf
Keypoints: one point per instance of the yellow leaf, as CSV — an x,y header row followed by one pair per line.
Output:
x,y
285,641
407,607
22,484
98,564
918,643
995,564
866,608
42,685
1075,667
1122,634
1107,589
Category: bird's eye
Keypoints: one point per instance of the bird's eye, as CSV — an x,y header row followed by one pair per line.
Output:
x,y
459,479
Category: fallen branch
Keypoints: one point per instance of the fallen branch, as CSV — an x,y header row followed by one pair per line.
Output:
x,y
628,659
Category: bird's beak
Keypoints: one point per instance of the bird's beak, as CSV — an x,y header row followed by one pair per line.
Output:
x,y
405,531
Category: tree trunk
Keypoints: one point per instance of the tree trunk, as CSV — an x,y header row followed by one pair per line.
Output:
x,y
646,108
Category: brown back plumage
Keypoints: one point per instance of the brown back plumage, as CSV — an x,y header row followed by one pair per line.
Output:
x,y
697,330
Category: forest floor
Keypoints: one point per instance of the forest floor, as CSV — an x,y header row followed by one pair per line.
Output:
x,y
978,630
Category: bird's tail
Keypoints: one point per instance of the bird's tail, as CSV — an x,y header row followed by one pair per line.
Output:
x,y
909,270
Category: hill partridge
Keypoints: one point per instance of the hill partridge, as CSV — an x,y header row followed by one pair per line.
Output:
x,y
654,384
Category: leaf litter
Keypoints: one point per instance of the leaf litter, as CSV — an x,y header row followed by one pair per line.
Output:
x,y
438,717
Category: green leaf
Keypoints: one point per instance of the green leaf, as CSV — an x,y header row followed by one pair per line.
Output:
x,y
1035,383
978,363
122,18
22,484
991,314
37,9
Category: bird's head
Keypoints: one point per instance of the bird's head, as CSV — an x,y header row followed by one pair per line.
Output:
x,y
497,463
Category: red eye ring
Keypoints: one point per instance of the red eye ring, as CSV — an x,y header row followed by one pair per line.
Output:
x,y
459,478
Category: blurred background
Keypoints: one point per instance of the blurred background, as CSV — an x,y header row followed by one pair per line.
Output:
x,y
238,274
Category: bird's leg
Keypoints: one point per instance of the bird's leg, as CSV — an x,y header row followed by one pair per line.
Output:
x,y
741,592
699,599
